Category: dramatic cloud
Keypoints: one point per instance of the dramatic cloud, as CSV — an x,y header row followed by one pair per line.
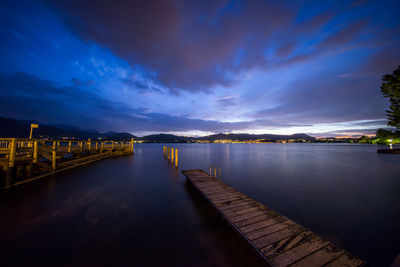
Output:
x,y
193,45
199,66
28,97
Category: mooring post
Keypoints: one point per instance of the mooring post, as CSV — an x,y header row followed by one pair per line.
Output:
x,y
101,147
96,145
89,145
219,172
133,150
112,146
169,153
69,147
11,163
11,158
172,155
176,157
53,163
80,145
210,169
35,151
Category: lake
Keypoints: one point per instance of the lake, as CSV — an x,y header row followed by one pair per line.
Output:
x,y
140,210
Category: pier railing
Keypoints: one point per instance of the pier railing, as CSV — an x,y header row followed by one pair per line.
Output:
x,y
22,160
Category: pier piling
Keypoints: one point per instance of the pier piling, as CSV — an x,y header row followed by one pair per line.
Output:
x,y
176,157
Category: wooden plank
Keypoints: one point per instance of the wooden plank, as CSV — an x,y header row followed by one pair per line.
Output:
x,y
277,236
234,204
261,224
218,189
243,211
247,216
287,243
223,195
252,220
241,207
278,240
269,229
346,260
230,200
291,256
321,257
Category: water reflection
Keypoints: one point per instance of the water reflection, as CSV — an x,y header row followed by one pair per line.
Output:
x,y
123,210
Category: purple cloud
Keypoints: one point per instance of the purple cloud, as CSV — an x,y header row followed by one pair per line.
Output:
x,y
190,45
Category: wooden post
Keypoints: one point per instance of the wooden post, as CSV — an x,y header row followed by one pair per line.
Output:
x,y
176,157
53,163
11,163
101,147
80,146
89,145
133,150
112,146
35,151
210,169
215,172
96,145
13,150
169,154
172,155
219,172
69,146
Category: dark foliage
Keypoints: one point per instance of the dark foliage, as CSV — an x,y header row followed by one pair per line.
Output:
x,y
391,89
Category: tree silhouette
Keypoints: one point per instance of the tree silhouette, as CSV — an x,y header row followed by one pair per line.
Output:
x,y
391,88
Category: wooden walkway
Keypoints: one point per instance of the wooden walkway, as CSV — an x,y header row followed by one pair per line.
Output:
x,y
26,160
277,239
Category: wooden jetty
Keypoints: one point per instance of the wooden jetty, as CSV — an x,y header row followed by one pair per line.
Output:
x,y
24,160
278,240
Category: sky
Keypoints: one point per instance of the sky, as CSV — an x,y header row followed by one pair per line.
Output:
x,y
199,67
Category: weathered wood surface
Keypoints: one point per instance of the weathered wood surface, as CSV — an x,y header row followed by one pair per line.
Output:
x,y
25,160
277,239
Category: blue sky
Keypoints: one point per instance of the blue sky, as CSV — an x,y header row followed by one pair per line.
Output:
x,y
195,68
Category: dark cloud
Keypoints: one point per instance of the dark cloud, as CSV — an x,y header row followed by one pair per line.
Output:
x,y
25,96
192,45
344,36
285,49
328,100
79,82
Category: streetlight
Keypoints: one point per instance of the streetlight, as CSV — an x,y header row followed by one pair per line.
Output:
x,y
33,125
390,141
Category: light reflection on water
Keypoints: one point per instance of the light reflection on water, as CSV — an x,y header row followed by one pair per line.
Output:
x,y
126,210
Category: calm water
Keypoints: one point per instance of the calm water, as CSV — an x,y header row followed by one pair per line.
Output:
x,y
137,210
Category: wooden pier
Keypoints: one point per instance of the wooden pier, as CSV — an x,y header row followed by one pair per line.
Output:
x,y
24,160
278,240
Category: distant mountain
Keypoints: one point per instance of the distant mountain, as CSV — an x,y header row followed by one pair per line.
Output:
x,y
120,136
166,138
21,128
248,137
